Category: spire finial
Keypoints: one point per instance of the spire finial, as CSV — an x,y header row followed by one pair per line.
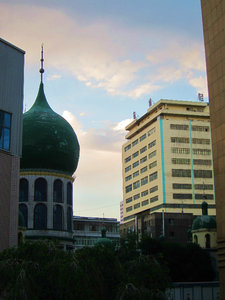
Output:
x,y
42,60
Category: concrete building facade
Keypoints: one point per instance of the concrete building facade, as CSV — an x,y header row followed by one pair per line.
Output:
x,y
167,160
87,230
11,109
213,15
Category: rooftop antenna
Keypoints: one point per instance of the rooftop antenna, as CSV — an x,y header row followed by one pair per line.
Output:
x,y
42,60
150,102
200,97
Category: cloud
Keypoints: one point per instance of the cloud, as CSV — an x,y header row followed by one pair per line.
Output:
x,y
100,53
54,77
100,163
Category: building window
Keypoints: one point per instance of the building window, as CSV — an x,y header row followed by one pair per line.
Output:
x,y
179,140
137,196
136,205
142,137
5,130
57,217
143,149
134,143
202,162
153,199
153,164
151,131
181,173
69,193
200,128
128,200
136,184
40,190
182,196
201,141
207,241
145,193
144,180
144,169
180,150
202,173
58,191
154,189
202,151
179,127
128,178
128,188
204,186
195,239
129,209
143,203
181,186
152,144
69,218
153,176
152,154
23,196
203,196
135,164
127,147
24,211
181,161
40,216
135,154
127,159
143,159
127,168
135,174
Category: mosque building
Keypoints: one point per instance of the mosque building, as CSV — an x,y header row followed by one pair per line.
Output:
x,y
50,154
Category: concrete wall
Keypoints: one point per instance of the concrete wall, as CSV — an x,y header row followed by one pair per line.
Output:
x,y
11,101
213,15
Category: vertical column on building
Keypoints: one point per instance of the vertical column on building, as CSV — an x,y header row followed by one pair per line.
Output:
x,y
192,168
162,161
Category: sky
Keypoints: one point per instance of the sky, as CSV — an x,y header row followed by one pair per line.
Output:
x,y
104,60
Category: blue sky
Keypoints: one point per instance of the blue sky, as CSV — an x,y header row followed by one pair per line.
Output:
x,y
104,60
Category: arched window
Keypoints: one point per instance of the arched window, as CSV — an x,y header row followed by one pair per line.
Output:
x,y
58,191
40,216
207,240
23,190
69,193
57,217
195,239
40,190
69,219
24,211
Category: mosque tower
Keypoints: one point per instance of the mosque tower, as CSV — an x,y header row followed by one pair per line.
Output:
x,y
50,154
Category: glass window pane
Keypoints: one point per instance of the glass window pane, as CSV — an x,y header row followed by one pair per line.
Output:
x,y
7,120
6,139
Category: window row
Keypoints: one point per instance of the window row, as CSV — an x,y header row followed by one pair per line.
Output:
x,y
143,194
143,203
40,191
187,151
197,196
141,182
186,127
187,173
187,186
40,216
127,159
187,161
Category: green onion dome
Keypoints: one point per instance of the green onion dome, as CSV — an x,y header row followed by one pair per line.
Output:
x,y
49,142
204,221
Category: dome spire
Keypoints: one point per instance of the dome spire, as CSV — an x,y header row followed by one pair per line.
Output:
x,y
42,60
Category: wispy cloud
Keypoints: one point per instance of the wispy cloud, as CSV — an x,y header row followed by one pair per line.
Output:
x,y
100,162
54,77
103,54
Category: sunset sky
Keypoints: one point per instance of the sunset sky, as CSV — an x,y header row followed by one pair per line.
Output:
x,y
103,61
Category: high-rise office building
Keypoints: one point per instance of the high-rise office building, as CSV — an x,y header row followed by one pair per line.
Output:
x,y
167,160
213,15
11,109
